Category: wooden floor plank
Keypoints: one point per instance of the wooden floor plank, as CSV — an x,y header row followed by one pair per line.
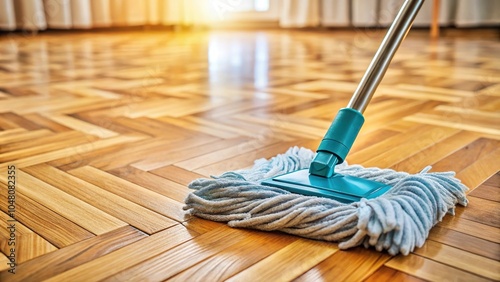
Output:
x,y
258,128
5,133
4,260
72,256
475,174
467,155
284,126
49,224
143,108
64,141
90,92
385,114
56,104
18,134
201,226
18,121
470,227
386,153
436,153
463,241
153,182
180,155
145,150
388,274
289,262
214,130
70,151
177,174
235,258
81,213
475,264
82,126
427,88
365,140
352,265
107,122
439,121
183,256
482,211
85,158
47,140
33,102
247,159
154,127
26,243
132,192
424,96
430,270
142,218
113,262
219,155
489,190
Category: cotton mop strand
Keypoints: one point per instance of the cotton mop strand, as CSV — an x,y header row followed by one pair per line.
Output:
x,y
397,221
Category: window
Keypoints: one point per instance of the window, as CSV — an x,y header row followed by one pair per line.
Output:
x,y
247,10
261,5
251,5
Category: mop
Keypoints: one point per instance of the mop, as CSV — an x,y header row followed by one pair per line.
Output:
x,y
319,196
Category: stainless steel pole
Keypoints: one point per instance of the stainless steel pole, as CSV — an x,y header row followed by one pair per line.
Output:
x,y
380,62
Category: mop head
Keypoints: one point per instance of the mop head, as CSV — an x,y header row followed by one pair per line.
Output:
x,y
397,221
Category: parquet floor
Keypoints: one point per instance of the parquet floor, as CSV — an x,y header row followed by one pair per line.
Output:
x,y
106,129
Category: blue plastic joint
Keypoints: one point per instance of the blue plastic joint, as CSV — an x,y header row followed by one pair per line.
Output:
x,y
337,142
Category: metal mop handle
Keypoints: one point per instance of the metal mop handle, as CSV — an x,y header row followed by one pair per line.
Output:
x,y
380,62
345,127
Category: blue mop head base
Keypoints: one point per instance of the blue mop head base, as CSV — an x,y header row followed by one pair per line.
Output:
x,y
397,221
343,188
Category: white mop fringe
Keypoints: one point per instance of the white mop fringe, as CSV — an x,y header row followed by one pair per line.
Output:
x,y
397,221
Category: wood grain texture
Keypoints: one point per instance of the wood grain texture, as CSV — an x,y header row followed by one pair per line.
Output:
x,y
132,192
431,270
482,169
153,182
49,224
28,244
4,260
107,129
112,263
463,241
81,213
235,258
66,258
471,227
469,262
388,274
489,190
71,151
483,211
142,218
177,174
289,262
184,256
354,265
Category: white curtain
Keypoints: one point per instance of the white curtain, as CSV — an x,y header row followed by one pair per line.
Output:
x,y
300,13
477,12
335,13
310,13
83,14
42,14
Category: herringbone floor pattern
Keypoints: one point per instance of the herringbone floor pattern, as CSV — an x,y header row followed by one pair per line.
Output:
x,y
106,129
